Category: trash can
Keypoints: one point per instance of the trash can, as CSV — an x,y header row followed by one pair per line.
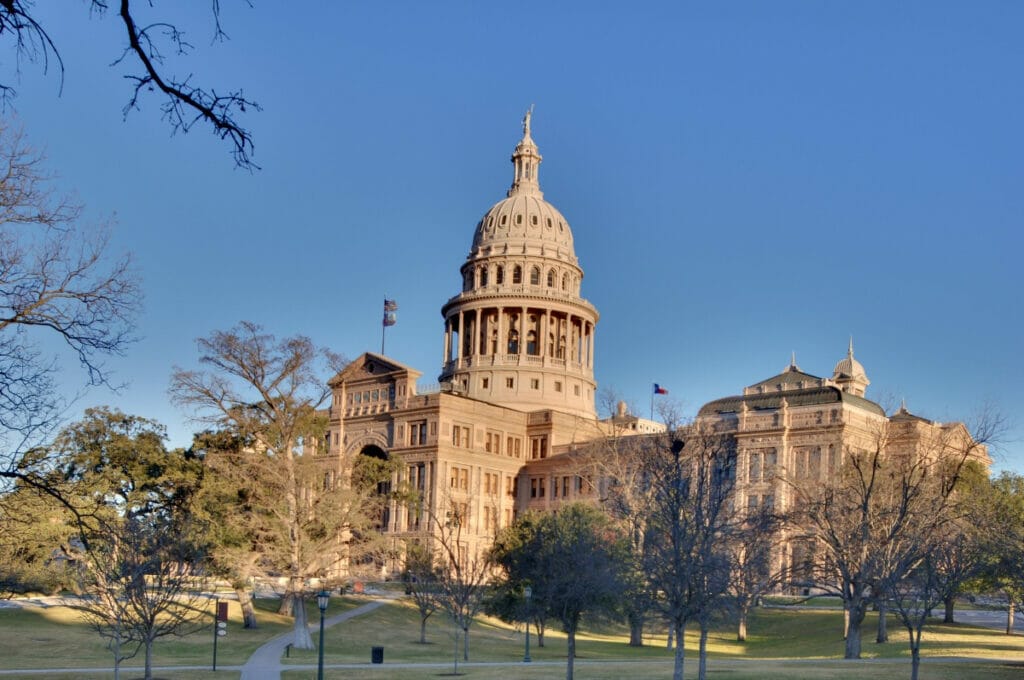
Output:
x,y
377,655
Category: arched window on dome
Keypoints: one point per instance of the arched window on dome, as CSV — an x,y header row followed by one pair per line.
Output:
x,y
499,275
535,276
551,344
483,276
561,347
517,274
513,341
467,280
531,343
565,281
551,278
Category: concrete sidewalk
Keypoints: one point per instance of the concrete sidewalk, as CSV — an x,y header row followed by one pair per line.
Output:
x,y
265,663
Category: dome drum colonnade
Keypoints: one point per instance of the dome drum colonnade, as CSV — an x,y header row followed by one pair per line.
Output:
x,y
520,309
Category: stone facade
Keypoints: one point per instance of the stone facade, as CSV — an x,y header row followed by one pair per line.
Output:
x,y
514,413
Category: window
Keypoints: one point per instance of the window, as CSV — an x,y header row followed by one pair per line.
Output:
x,y
485,383
565,486
510,383
535,276
538,447
541,483
499,275
551,278
512,447
492,442
519,219
483,276
459,478
460,436
517,274
513,342
754,474
534,383
558,386
511,487
565,282
576,390
491,480
418,433
534,220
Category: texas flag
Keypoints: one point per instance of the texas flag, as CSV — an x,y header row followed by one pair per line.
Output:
x,y
658,389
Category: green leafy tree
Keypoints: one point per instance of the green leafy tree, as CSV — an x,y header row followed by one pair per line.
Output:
x,y
1003,570
577,562
134,541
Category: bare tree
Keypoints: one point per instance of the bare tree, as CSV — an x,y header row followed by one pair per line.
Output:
x,y
303,512
421,583
462,573
685,483
57,280
864,527
183,105
139,586
751,548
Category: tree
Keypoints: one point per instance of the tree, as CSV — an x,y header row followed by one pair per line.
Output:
x,y
462,575
135,544
687,477
1003,570
865,528
184,104
580,560
520,567
304,514
421,583
750,550
57,281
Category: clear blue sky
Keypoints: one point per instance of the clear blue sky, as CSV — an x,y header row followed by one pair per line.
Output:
x,y
743,180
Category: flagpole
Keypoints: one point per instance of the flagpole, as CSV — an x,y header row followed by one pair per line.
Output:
x,y
652,400
383,325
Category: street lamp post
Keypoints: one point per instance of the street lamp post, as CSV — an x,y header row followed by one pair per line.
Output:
x,y
527,593
322,599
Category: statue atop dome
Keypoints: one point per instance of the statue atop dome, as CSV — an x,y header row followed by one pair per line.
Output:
x,y
526,121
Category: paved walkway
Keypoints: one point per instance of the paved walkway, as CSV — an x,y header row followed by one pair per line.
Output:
x,y
265,663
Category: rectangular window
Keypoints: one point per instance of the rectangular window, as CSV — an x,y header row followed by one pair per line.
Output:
x,y
538,447
534,384
754,473
485,383
576,390
460,436
418,433
510,383
558,386
492,443
510,487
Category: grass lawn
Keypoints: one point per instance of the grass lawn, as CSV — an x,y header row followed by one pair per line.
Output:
x,y
55,637
783,644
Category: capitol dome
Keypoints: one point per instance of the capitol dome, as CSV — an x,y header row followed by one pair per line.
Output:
x,y
523,222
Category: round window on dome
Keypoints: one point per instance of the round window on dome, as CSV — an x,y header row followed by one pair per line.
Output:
x,y
535,220
519,219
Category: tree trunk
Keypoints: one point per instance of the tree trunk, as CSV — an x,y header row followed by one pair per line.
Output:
x,y
915,662
539,626
680,655
303,640
455,656
846,620
741,628
856,617
636,630
883,630
465,643
949,602
149,660
670,637
572,654
702,654
423,630
248,611
1009,617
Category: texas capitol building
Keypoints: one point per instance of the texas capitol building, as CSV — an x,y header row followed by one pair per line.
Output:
x,y
517,393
